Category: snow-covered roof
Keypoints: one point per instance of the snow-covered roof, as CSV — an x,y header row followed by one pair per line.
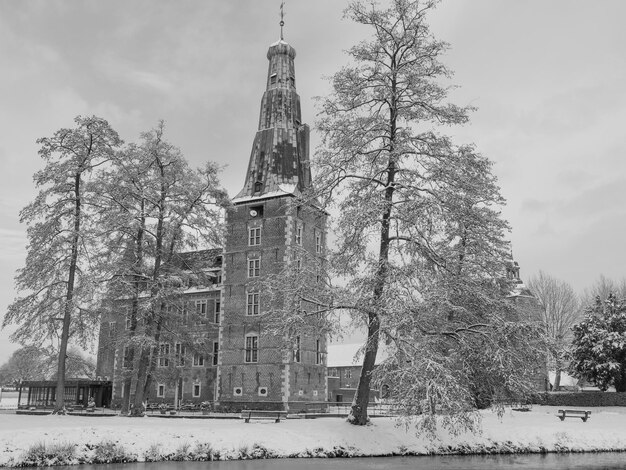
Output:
x,y
283,190
343,355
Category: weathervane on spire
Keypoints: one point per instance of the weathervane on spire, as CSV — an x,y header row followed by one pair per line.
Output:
x,y
282,22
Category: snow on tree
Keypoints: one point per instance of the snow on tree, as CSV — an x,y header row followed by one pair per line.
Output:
x,y
560,310
59,290
157,208
599,345
420,240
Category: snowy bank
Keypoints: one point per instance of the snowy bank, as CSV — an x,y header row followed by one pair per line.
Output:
x,y
149,438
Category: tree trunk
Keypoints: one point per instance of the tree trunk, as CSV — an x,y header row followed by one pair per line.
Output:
x,y
358,411
67,314
557,378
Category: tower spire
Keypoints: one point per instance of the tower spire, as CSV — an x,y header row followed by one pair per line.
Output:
x,y
279,160
282,19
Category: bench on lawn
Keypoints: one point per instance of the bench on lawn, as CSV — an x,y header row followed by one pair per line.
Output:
x,y
582,414
247,415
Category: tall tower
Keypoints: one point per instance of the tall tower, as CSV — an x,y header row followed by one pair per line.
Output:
x,y
265,225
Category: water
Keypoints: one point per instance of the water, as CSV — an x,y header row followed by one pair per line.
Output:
x,y
586,461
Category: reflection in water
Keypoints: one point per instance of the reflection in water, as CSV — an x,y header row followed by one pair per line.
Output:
x,y
587,461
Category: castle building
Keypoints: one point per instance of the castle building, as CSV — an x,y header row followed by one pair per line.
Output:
x,y
268,229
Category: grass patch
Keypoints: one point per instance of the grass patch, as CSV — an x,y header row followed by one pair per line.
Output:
x,y
111,452
46,455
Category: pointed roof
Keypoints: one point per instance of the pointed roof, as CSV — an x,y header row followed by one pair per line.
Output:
x,y
279,160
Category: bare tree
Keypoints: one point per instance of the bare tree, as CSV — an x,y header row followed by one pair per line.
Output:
x,y
420,239
60,299
560,311
602,288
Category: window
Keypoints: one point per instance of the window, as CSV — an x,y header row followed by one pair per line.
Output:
x,y
112,326
198,360
296,350
218,278
254,236
348,374
252,348
273,79
129,320
253,303
298,234
254,267
332,373
179,351
216,352
318,352
201,307
160,390
298,264
126,359
164,355
216,312
318,242
196,390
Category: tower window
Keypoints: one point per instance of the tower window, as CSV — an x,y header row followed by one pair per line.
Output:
x,y
254,236
252,348
258,186
253,303
254,267
273,79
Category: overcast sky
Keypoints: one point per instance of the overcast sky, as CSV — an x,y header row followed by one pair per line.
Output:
x,y
547,78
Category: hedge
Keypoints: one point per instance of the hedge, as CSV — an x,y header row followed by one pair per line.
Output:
x,y
581,399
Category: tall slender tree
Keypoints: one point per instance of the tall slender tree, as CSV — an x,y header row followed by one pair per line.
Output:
x,y
157,208
420,237
59,297
560,311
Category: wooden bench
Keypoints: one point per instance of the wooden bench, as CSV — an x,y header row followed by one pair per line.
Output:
x,y
247,415
582,414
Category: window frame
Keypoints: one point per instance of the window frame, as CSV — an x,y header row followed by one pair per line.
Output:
x,y
193,390
254,236
216,353
297,353
254,267
217,311
251,348
164,355
298,238
253,305
160,392
198,360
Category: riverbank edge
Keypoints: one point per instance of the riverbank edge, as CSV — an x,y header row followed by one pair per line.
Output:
x,y
109,452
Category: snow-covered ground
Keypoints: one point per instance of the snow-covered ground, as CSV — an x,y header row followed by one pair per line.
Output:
x,y
538,430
